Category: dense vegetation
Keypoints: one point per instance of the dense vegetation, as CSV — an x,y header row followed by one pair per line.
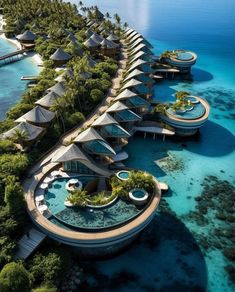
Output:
x,y
53,22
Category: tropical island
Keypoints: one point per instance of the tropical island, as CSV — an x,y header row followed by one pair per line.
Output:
x,y
62,158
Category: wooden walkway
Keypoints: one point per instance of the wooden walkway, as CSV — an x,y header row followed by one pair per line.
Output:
x,y
28,243
10,55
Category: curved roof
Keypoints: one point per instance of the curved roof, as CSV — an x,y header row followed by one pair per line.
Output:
x,y
31,131
26,36
137,64
99,147
129,31
37,115
128,116
48,100
108,44
139,47
140,54
115,130
66,73
132,34
58,88
113,37
140,40
91,43
117,106
60,55
104,120
133,74
89,32
134,38
131,83
97,38
125,94
69,153
89,134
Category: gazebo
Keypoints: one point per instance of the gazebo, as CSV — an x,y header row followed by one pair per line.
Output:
x,y
30,133
37,116
92,45
27,39
112,37
68,73
109,48
60,57
58,88
48,100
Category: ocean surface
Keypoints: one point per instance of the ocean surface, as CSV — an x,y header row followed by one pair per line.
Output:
x,y
181,250
10,84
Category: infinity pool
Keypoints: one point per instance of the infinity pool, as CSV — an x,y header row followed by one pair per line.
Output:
x,y
86,218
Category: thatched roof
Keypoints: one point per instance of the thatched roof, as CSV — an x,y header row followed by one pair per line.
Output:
x,y
125,94
97,38
91,43
91,62
37,115
117,106
48,100
60,55
108,44
89,32
113,37
69,153
26,36
104,120
58,88
89,134
31,131
67,73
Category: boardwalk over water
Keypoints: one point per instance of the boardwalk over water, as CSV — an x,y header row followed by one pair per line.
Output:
x,y
11,57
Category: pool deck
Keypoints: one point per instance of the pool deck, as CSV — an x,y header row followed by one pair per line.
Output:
x,y
203,118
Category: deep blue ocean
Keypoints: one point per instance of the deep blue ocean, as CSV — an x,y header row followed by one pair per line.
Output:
x,y
177,252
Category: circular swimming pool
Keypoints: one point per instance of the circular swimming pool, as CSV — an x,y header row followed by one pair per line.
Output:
x,y
138,196
87,218
123,174
184,56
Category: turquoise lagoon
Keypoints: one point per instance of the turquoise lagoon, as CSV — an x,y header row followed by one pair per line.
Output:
x,y
11,85
171,254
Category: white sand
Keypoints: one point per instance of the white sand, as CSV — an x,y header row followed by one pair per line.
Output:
x,y
35,57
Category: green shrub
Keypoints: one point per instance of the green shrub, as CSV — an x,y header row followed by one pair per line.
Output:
x,y
14,197
19,110
97,95
13,164
78,198
14,278
49,267
7,146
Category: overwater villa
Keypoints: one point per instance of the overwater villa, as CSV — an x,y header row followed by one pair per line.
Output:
x,y
89,160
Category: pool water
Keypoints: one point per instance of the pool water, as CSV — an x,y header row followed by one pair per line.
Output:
x,y
197,111
138,194
184,56
172,250
123,175
86,218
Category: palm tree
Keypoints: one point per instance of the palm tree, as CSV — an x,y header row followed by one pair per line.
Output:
x,y
58,107
117,18
181,95
160,108
20,136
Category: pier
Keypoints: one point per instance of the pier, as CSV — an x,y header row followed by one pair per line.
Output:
x,y
12,57
155,130
29,78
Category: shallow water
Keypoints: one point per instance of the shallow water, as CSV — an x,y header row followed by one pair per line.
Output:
x,y
11,85
163,259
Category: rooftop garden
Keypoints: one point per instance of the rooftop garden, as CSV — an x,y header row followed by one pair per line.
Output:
x,y
116,188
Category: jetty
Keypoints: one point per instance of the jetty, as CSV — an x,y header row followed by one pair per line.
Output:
x,y
12,57
29,77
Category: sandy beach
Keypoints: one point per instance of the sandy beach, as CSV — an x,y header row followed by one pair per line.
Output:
x,y
35,56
